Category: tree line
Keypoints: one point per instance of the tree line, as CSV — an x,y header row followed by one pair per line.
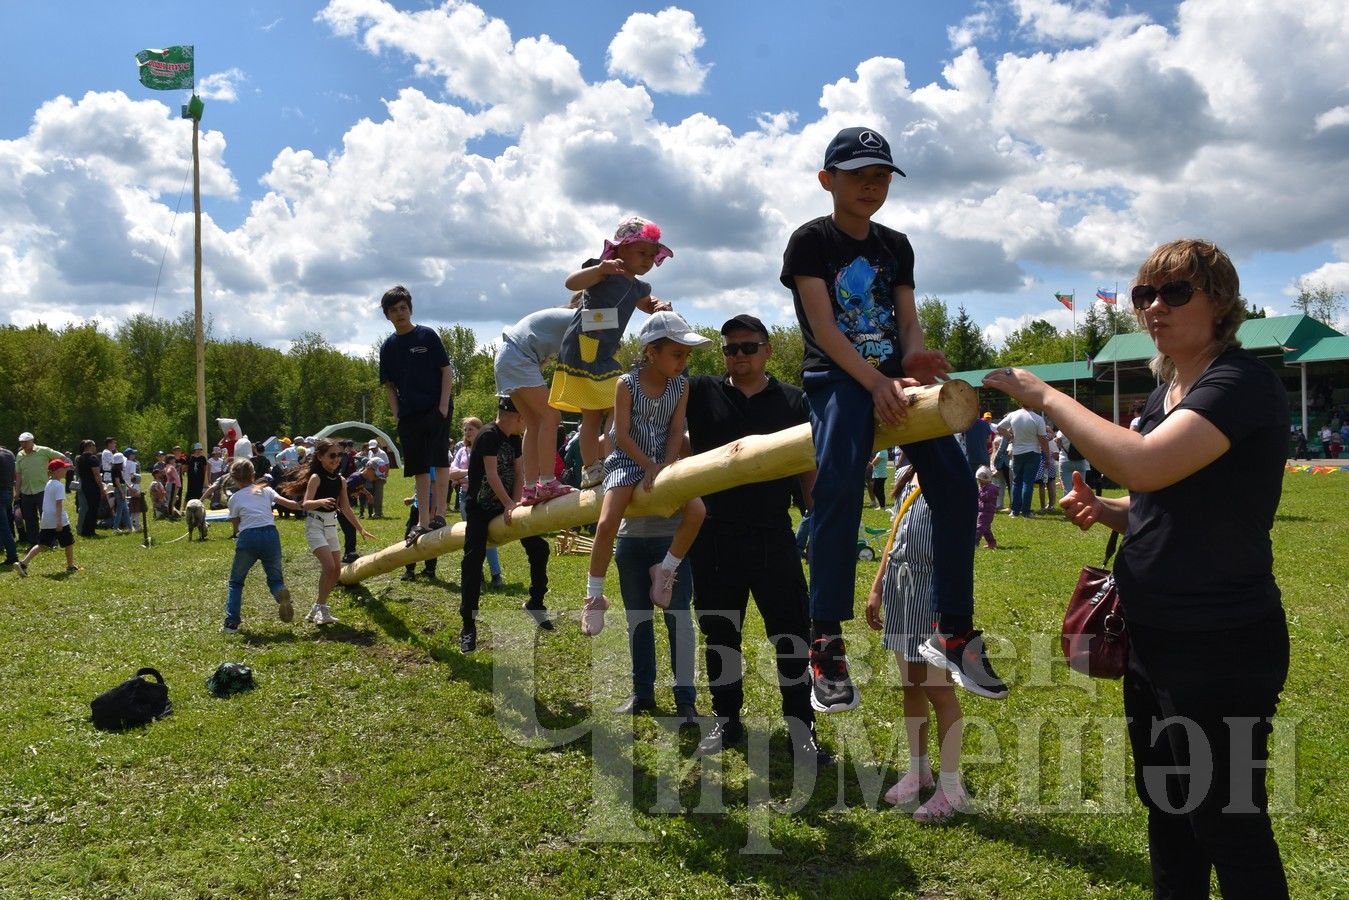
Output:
x,y
138,383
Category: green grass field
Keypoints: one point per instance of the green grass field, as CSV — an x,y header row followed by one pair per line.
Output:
x,y
373,759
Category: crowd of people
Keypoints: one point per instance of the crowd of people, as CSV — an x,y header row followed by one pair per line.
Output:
x,y
1209,644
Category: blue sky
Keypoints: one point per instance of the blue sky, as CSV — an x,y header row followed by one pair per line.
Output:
x,y
478,152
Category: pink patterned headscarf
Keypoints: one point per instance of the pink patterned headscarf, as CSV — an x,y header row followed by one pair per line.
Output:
x,y
633,231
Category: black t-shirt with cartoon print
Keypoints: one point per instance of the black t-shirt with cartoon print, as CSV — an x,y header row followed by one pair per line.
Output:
x,y
492,441
861,277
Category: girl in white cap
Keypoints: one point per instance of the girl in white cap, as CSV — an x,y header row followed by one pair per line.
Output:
x,y
650,404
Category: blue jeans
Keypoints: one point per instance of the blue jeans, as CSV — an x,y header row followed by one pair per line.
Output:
x,y
635,557
1066,469
841,413
1025,466
803,534
253,545
121,512
7,524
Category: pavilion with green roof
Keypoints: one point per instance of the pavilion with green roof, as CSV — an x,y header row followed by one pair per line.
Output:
x,y
1289,344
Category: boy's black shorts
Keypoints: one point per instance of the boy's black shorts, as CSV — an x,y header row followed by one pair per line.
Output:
x,y
50,537
426,441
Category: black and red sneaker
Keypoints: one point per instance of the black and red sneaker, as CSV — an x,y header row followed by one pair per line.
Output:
x,y
831,689
967,660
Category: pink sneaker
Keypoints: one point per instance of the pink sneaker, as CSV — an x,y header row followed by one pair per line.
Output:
x,y
662,586
592,617
906,790
551,490
941,808
529,496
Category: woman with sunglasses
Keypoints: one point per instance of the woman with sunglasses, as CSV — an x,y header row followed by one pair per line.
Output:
x,y
1208,640
325,497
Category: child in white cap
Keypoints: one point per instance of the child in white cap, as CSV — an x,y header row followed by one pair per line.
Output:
x,y
650,404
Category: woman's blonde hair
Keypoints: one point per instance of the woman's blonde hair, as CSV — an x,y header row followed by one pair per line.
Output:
x,y
1204,265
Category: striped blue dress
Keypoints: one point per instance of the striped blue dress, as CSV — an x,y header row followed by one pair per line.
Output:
x,y
649,428
906,590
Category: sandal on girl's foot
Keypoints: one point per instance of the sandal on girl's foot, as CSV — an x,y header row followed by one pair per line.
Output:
x,y
906,790
592,617
529,496
941,808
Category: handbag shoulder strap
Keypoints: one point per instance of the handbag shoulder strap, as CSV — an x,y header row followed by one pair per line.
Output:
x,y
1110,547
149,671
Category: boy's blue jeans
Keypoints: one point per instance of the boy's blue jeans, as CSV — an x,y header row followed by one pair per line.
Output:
x,y
253,545
635,556
841,418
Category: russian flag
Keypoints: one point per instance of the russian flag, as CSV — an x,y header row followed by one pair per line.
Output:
x,y
1107,296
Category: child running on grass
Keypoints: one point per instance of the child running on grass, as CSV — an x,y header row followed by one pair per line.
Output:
x,y
325,497
988,507
54,524
256,540
903,590
650,404
587,367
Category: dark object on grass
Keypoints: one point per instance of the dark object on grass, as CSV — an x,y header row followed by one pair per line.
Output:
x,y
135,701
230,678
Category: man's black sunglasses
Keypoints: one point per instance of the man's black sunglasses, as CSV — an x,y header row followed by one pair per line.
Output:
x,y
1173,293
749,348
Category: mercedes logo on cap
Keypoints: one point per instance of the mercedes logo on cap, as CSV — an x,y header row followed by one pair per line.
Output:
x,y
869,140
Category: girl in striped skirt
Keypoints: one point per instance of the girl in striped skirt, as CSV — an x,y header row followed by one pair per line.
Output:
x,y
903,590
649,411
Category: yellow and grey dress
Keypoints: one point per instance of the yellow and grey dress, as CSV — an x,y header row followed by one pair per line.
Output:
x,y
587,368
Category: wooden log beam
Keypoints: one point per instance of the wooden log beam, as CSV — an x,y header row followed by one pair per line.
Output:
x,y
934,411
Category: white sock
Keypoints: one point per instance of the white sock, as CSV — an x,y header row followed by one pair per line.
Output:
x,y
950,783
595,586
671,561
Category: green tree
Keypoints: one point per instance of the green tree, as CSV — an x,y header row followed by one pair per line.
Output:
x,y
328,385
1318,300
84,387
1035,343
966,346
935,322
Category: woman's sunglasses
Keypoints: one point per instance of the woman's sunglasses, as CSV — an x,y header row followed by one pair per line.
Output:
x,y
749,348
332,456
1173,293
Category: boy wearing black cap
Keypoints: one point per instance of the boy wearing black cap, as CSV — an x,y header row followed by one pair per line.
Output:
x,y
495,481
852,284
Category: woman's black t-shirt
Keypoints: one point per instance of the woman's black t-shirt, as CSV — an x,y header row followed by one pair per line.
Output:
x,y
1197,555
330,485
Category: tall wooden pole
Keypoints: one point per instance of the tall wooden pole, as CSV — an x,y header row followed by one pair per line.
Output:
x,y
934,411
200,335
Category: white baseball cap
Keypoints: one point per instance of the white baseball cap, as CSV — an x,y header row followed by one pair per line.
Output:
x,y
373,444
672,326
26,436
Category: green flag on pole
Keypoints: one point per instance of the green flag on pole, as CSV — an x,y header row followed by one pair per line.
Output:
x,y
169,69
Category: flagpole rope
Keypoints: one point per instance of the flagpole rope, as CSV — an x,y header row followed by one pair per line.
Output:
x,y
160,274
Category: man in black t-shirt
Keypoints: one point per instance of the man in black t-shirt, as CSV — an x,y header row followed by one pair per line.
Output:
x,y
746,544
495,480
195,481
415,371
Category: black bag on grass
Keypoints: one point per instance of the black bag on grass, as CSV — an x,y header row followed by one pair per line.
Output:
x,y
135,701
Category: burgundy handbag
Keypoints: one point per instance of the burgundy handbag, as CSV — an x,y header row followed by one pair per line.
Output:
x,y
1095,640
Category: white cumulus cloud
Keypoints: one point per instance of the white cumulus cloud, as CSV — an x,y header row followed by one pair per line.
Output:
x,y
660,51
